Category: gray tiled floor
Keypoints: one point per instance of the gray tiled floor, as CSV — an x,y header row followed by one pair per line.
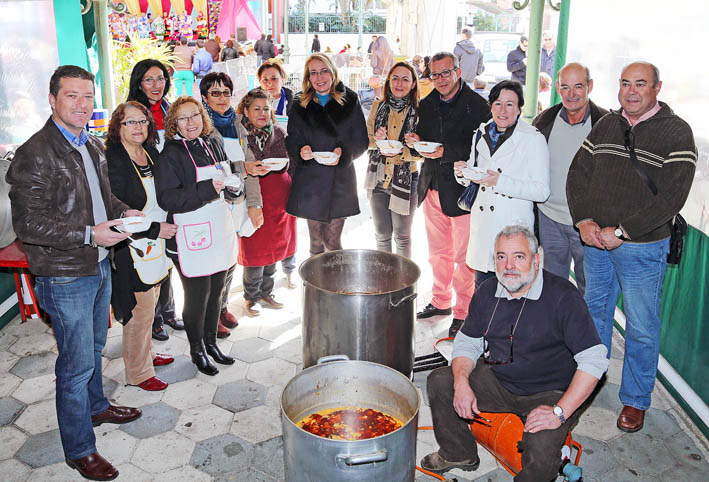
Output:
x,y
227,427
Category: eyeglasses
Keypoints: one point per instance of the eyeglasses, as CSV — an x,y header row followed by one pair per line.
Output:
x,y
444,74
323,72
487,358
193,118
219,93
133,123
150,80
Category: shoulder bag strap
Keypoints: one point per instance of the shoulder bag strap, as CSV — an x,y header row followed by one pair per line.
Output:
x,y
630,146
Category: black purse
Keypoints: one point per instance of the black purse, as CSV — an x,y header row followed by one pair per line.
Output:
x,y
678,227
467,197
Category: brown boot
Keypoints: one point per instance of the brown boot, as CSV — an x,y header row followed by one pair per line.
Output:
x,y
222,331
631,419
252,308
227,319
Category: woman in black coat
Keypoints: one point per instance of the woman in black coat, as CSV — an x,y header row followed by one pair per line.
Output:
x,y
326,117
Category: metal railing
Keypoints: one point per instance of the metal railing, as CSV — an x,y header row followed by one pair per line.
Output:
x,y
347,23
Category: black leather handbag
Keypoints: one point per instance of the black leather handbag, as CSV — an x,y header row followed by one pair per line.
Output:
x,y
467,197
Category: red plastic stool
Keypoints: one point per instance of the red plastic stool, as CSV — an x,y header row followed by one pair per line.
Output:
x,y
13,256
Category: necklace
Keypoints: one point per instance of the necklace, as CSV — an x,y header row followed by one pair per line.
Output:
x,y
493,316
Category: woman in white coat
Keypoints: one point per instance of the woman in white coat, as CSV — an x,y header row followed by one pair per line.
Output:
x,y
513,174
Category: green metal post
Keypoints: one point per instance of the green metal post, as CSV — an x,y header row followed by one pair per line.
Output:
x,y
70,34
536,15
103,40
562,38
286,49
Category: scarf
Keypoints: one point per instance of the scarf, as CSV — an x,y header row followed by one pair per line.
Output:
x,y
259,134
391,172
224,123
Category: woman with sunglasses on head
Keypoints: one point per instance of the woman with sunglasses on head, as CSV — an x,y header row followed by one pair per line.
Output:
x,y
141,264
191,176
216,89
149,84
326,117
391,179
276,239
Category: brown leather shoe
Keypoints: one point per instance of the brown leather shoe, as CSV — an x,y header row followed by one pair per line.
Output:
x,y
252,309
631,419
270,302
228,319
222,331
116,414
93,467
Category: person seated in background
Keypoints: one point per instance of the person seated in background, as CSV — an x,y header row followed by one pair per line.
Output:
x,y
540,362
479,86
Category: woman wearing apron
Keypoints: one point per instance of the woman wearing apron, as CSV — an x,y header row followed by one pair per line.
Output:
x,y
190,178
149,84
141,265
276,239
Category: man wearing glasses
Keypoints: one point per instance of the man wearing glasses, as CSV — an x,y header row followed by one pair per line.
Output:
x,y
529,347
625,185
449,118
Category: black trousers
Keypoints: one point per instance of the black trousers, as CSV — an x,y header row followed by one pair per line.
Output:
x,y
325,236
203,297
227,287
541,451
165,309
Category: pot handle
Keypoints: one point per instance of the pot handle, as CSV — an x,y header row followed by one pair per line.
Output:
x,y
379,456
406,298
331,358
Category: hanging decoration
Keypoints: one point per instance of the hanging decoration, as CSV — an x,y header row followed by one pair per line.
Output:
x,y
215,8
237,12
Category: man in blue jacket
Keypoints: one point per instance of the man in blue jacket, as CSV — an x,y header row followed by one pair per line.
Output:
x,y
517,61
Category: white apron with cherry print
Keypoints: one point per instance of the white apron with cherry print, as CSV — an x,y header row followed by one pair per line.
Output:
x,y
154,265
206,238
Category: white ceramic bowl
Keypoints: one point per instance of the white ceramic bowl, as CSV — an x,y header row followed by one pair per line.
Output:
x,y
275,163
135,224
427,147
473,173
325,158
389,145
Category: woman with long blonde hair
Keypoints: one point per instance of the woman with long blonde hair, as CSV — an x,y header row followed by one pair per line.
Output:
x,y
326,118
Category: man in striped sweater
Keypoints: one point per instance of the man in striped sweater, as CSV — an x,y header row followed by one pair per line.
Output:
x,y
626,226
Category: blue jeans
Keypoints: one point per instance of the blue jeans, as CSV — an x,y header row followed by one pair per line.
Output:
x,y
637,270
561,243
79,310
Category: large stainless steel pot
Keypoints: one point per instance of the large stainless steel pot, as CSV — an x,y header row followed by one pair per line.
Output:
x,y
361,303
310,458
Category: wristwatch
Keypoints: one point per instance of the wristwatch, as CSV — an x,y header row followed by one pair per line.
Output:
x,y
559,412
618,232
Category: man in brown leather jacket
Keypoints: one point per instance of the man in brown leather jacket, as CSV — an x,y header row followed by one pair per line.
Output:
x,y
63,212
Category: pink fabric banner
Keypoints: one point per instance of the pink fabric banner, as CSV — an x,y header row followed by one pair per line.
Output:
x,y
237,12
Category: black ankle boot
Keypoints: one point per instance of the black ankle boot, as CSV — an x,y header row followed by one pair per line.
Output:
x,y
213,350
201,360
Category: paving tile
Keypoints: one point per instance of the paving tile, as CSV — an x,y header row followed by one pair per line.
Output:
x,y
36,389
29,328
596,458
7,358
615,371
175,449
130,472
116,446
281,333
109,387
11,439
222,454
249,475
31,345
686,451
273,371
113,348
598,423
185,473
252,350
203,422
248,328
39,417
227,374
60,472
240,395
641,453
172,346
6,339
157,418
14,471
268,457
291,351
661,398
189,394
497,475
178,371
41,450
660,424
115,370
8,384
257,424
35,365
685,472
606,396
273,396
9,409
130,396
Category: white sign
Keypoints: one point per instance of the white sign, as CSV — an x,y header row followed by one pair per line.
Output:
x,y
321,27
